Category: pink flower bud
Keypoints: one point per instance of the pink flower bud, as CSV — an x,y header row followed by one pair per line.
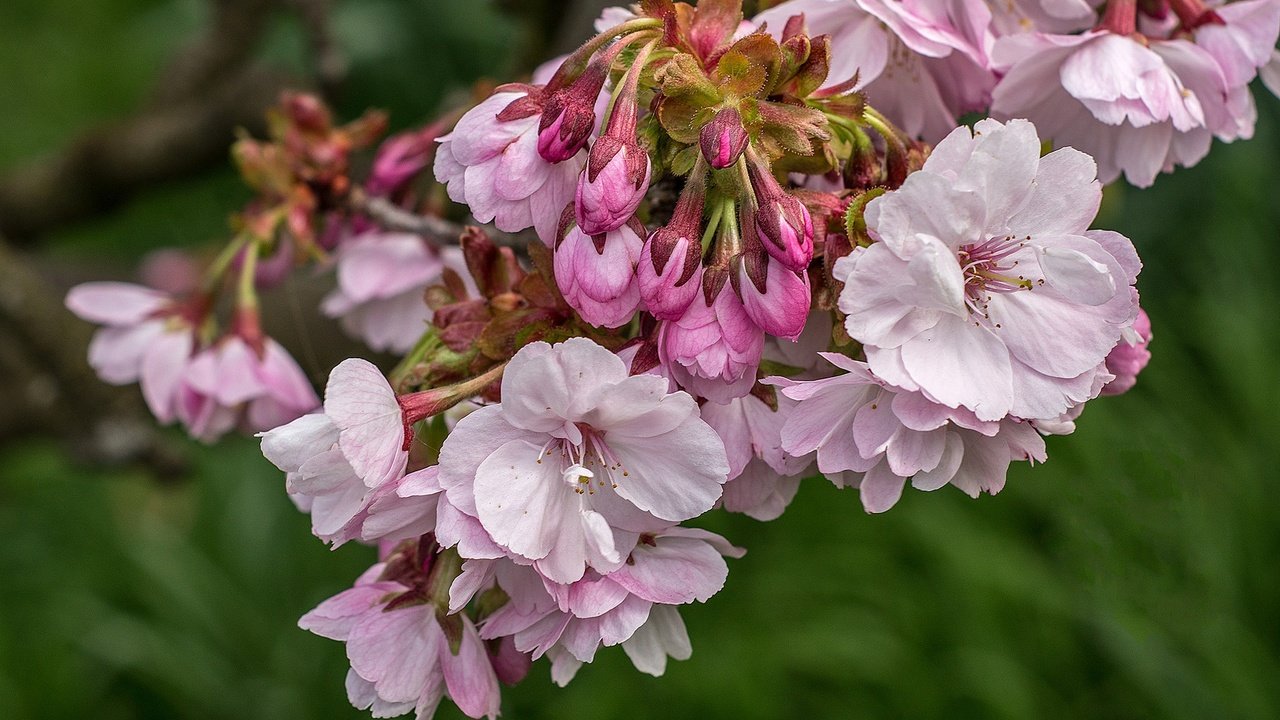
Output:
x,y
597,274
669,272
713,350
1129,357
775,297
569,115
401,159
612,185
723,139
786,230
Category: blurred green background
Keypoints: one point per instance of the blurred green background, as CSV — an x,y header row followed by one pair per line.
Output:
x,y
1135,575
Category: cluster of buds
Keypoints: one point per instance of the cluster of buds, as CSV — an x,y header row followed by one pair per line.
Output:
x,y
758,250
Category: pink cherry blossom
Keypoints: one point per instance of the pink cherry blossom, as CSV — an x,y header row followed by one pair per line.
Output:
x,y
1129,357
144,339
760,492
1010,17
340,461
985,290
232,383
492,165
400,657
579,459
877,436
381,278
597,274
1240,38
713,350
922,63
675,567
763,478
1137,109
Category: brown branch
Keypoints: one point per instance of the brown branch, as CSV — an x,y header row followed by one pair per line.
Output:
x,y
211,88
49,387
330,64
224,48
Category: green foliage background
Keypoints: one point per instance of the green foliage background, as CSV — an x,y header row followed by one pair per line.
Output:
x,y
1133,576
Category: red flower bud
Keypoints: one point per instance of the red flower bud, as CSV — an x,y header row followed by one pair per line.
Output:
x,y
723,139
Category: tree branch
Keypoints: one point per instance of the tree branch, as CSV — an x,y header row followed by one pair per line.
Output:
x,y
211,88
436,230
49,386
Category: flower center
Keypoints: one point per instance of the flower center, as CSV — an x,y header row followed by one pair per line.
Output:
x,y
588,466
988,268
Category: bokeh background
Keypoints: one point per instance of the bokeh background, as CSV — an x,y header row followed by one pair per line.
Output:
x,y
1135,575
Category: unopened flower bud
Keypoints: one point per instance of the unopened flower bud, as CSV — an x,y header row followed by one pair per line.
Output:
x,y
401,159
785,228
616,177
670,267
596,274
723,139
569,115
612,184
863,168
669,272
775,297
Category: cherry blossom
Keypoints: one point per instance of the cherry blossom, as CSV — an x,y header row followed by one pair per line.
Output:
x,y
985,290
579,459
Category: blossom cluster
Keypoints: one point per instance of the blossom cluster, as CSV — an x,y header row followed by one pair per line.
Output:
x,y
731,253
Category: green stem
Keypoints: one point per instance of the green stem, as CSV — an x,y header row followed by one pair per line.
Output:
x,y
577,62
425,345
247,293
218,268
713,224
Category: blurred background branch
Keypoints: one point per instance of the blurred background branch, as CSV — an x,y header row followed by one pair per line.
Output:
x,y
211,87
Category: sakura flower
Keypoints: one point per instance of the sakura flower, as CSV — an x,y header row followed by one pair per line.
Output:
x,y
1010,17
763,478
400,159
1129,357
868,433
339,460
713,350
985,290
761,493
147,338
1240,37
922,63
233,383
579,459
672,568
401,659
597,273
1137,109
491,163
381,278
